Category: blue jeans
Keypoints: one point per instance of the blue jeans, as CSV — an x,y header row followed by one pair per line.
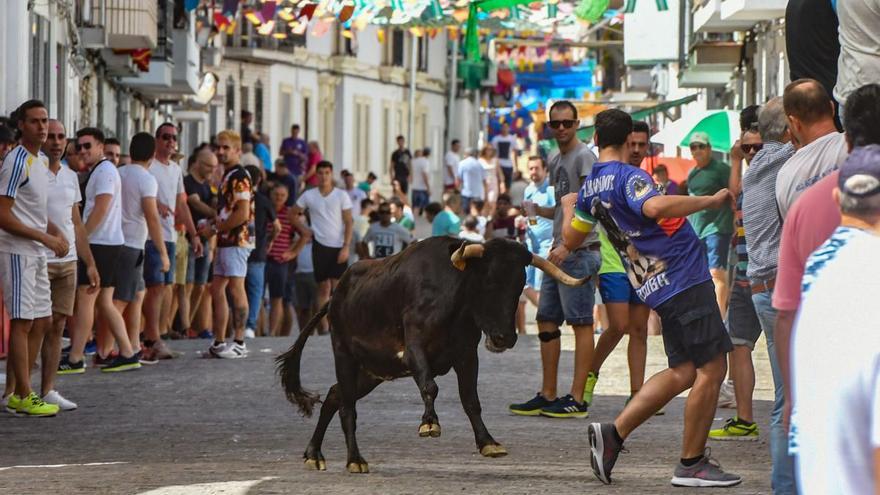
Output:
x,y
254,284
559,303
782,479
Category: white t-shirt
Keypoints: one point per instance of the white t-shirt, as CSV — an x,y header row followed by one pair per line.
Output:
x,y
420,167
356,195
859,33
63,194
807,166
25,178
472,175
451,161
386,241
506,148
326,215
137,184
105,180
835,362
170,180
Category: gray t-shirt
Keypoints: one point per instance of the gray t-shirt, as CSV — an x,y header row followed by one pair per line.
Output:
x,y
808,166
385,241
859,61
567,173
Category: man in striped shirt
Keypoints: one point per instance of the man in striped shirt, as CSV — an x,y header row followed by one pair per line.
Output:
x,y
763,229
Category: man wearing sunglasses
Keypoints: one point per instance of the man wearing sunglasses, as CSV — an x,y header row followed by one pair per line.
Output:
x,y
171,201
557,303
714,227
103,223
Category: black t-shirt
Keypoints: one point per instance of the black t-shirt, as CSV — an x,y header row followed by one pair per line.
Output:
x,y
203,191
811,41
401,159
264,215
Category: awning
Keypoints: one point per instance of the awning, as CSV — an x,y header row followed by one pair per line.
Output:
x,y
586,133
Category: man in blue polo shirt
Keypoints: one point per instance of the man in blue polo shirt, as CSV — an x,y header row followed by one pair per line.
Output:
x,y
667,268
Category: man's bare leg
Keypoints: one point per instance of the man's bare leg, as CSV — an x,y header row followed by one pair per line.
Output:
x,y
153,312
583,357
239,306
50,354
743,374
324,288
550,351
111,315
637,348
655,393
618,321
19,357
722,289
699,409
221,310
84,319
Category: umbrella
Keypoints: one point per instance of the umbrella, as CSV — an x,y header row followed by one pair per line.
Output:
x,y
722,126
677,167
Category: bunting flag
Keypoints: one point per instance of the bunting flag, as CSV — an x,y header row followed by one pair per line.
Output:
x,y
268,10
220,20
631,6
345,13
308,11
230,8
592,10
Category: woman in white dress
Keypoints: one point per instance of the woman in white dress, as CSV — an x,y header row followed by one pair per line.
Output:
x,y
494,179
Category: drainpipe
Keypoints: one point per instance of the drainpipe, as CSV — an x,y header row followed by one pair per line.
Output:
x,y
412,88
453,88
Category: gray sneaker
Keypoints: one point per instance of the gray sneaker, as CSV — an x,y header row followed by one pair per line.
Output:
x,y
604,449
706,473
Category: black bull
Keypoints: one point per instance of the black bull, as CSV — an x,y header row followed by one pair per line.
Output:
x,y
419,313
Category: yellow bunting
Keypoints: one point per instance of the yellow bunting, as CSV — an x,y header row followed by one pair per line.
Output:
x,y
346,33
267,28
252,16
380,35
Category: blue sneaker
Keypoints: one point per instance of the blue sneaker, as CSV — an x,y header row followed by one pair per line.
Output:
x,y
530,408
91,348
565,407
206,334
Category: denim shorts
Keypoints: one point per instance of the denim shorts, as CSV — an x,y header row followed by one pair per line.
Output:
x,y
743,324
615,288
153,265
574,305
717,248
277,275
198,270
420,198
232,262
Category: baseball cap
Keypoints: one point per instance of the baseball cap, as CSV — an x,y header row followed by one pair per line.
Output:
x,y
860,172
699,137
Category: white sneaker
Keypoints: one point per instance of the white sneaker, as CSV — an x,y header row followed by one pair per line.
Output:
x,y
249,333
53,397
228,351
727,396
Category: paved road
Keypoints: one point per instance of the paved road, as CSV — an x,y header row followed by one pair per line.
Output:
x,y
225,424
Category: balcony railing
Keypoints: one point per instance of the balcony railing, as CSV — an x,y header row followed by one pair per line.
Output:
x,y
129,24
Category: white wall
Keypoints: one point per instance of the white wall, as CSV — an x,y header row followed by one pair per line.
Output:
x,y
437,61
369,50
299,81
15,88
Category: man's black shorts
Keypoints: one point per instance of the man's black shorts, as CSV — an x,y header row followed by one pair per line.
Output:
x,y
106,261
692,327
324,262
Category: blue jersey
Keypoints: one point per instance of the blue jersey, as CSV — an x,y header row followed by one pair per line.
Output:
x,y
662,256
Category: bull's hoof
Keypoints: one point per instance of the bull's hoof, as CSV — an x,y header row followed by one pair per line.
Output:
x,y
316,464
358,468
429,430
493,450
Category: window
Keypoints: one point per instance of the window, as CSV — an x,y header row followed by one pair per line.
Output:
x,y
397,40
286,109
245,100
423,45
345,45
230,103
258,106
362,134
213,120
306,117
39,59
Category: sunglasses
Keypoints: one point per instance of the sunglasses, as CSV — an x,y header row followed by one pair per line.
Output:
x,y
747,148
169,137
699,146
83,146
556,124
60,136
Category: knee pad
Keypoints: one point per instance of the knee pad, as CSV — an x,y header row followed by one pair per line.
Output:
x,y
549,336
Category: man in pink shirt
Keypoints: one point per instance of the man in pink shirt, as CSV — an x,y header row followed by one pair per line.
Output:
x,y
811,220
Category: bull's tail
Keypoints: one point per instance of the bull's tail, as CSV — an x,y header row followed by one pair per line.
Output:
x,y
288,368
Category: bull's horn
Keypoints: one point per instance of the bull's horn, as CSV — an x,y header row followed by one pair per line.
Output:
x,y
556,272
464,252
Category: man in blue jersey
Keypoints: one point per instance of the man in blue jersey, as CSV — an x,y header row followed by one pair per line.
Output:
x,y
666,266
